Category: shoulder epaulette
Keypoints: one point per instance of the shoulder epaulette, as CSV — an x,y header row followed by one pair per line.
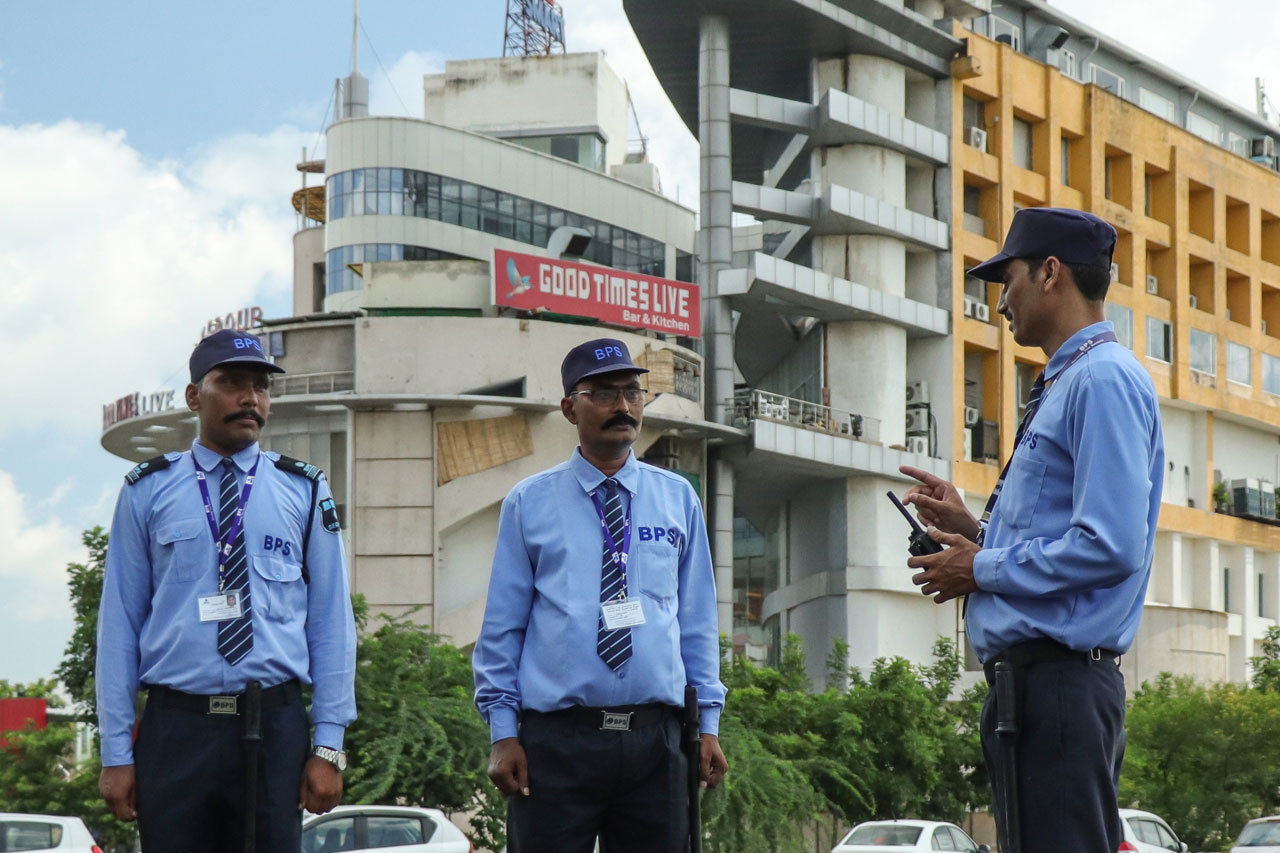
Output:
x,y
151,466
298,467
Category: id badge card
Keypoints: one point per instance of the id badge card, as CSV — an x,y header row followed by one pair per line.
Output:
x,y
622,614
220,606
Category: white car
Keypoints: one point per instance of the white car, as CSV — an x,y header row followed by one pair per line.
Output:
x,y
1145,832
45,832
875,835
385,828
1260,835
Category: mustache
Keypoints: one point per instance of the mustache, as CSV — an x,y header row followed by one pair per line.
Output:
x,y
621,418
247,413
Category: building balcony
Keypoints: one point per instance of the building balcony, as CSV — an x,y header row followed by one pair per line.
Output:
x,y
293,384
751,405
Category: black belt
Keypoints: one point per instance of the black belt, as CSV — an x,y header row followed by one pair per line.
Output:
x,y
222,704
1044,650
623,718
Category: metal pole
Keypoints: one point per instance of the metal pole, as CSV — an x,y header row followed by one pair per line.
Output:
x,y
693,748
1007,732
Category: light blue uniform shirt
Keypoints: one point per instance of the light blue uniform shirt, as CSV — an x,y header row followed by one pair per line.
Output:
x,y
537,646
162,557
1068,549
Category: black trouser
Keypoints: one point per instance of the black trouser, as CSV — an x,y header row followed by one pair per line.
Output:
x,y
1069,750
629,788
191,768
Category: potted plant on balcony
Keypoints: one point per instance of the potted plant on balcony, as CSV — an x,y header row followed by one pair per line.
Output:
x,y
1221,501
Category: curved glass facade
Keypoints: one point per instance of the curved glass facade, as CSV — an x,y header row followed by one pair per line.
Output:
x,y
338,277
408,192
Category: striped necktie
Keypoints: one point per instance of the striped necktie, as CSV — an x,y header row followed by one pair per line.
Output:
x,y
614,647
235,636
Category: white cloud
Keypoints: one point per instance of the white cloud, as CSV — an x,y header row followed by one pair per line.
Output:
x,y
398,92
33,574
111,262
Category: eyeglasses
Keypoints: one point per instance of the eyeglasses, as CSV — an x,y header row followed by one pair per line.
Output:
x,y
607,396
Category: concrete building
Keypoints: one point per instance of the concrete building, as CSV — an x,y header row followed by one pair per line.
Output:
x,y
882,149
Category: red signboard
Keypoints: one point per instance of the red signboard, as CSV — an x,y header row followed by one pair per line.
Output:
x,y
531,283
17,714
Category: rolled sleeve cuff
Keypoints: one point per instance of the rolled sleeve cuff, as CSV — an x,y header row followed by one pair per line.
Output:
x,y
502,724
711,720
330,735
986,569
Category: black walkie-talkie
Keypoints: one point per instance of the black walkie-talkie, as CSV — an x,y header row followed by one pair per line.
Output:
x,y
920,543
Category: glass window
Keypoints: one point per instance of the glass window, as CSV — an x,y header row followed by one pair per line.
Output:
x,y
1004,32
1108,80
942,839
1204,352
1159,340
1022,151
1067,63
1239,363
963,842
1271,384
29,835
1204,128
1122,318
324,836
883,835
389,831
1065,161
1153,102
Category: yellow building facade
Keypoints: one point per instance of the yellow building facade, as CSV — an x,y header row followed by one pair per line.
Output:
x,y
1197,283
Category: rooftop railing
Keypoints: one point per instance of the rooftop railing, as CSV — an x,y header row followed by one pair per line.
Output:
x,y
765,405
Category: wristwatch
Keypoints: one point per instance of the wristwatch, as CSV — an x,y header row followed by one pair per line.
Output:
x,y
336,757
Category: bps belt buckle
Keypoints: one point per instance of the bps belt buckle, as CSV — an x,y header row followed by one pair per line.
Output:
x,y
222,705
615,722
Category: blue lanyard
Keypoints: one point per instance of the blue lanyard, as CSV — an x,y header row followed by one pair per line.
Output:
x,y
618,553
225,545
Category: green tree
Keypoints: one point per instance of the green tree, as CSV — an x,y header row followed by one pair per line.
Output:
x,y
1205,757
84,581
1266,666
418,738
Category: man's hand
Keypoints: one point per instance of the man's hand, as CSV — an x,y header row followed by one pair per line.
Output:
x,y
119,788
508,767
939,505
948,574
714,765
321,786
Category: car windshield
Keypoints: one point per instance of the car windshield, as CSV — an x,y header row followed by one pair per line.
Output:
x,y
1260,834
884,834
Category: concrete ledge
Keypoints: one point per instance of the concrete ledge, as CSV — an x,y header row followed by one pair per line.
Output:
x,y
830,455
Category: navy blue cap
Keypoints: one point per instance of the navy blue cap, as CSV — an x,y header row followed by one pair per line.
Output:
x,y
1071,236
226,346
603,355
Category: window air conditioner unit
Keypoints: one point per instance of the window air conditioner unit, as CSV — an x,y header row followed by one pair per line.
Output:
x,y
1195,303
977,137
1115,272
982,311
1263,146
1242,147
918,444
969,306
917,392
971,415
1153,284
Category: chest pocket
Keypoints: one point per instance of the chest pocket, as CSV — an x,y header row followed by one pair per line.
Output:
x,y
654,566
279,593
183,555
1021,491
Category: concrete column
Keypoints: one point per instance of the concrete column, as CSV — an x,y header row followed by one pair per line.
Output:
x,y
716,210
715,246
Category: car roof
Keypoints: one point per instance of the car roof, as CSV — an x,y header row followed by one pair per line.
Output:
x,y
45,817
376,809
1266,819
923,824
1139,813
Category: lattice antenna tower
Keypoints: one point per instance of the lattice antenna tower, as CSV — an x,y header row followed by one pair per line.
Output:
x,y
533,28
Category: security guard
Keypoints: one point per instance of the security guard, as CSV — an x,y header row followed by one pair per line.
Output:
x,y
224,572
601,607
1056,571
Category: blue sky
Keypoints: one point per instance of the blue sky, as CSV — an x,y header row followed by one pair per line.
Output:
x,y
147,155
